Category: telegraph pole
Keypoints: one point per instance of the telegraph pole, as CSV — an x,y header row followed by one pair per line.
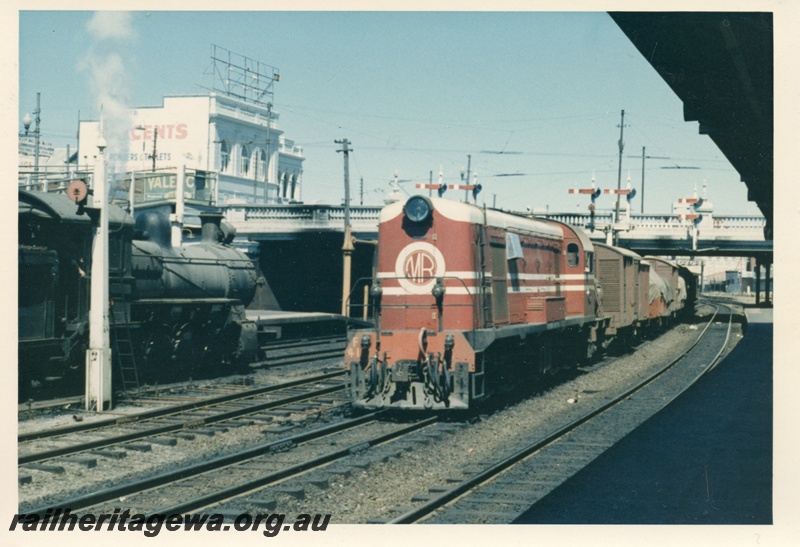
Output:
x,y
155,142
348,246
643,157
621,144
37,113
619,171
269,152
26,121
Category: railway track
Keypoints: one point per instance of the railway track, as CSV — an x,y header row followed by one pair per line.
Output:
x,y
291,352
195,487
498,492
272,354
186,418
289,472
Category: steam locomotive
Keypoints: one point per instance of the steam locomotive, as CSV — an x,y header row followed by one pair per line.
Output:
x,y
469,300
174,311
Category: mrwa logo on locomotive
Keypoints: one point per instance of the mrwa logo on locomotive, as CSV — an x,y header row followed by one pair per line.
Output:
x,y
417,267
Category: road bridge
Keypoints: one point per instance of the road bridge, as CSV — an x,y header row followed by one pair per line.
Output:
x,y
318,230
666,234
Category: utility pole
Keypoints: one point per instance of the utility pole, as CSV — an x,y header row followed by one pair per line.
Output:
x,y
155,142
619,171
645,156
348,247
641,211
26,121
269,152
37,133
466,181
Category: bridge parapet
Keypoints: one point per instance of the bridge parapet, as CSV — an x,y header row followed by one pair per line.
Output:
x,y
284,220
747,228
298,218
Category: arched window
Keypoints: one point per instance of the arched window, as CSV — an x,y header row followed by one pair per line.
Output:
x,y
244,159
224,156
285,179
261,166
294,187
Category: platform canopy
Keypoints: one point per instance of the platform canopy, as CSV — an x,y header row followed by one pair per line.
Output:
x,y
721,66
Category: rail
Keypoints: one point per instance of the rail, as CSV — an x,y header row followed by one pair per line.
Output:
x,y
489,473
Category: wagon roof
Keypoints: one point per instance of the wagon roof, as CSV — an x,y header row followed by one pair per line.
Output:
x,y
620,250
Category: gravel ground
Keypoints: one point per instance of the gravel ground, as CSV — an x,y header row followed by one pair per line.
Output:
x,y
372,493
79,479
382,482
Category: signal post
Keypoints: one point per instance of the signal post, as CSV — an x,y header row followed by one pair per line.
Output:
x,y
98,356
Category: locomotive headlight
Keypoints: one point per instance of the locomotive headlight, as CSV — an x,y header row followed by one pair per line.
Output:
x,y
418,209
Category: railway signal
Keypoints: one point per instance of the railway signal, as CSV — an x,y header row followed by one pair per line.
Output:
x,y
440,188
98,354
594,193
475,188
628,192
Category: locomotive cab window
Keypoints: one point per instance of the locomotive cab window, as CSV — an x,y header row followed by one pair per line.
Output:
x,y
589,262
573,255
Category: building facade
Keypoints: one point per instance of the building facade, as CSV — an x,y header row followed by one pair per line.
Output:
x,y
238,143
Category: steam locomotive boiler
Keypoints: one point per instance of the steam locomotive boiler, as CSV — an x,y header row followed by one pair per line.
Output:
x,y
174,311
188,303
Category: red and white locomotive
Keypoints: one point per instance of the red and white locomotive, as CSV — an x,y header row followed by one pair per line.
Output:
x,y
468,300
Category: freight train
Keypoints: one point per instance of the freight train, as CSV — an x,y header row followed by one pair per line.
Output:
x,y
174,311
468,301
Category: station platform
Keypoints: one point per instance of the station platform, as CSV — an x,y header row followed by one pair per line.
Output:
x,y
707,458
292,324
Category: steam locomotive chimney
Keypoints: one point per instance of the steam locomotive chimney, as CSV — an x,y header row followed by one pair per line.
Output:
x,y
210,227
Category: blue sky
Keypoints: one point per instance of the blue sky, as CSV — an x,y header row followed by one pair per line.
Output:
x,y
413,92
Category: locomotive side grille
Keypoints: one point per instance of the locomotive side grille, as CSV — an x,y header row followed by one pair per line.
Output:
x,y
535,304
608,273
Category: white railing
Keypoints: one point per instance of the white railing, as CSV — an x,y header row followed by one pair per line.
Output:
x,y
646,226
252,219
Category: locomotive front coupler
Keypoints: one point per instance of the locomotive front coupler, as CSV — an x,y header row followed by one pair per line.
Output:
x,y
449,343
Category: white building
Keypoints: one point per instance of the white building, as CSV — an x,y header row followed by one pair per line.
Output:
x,y
238,142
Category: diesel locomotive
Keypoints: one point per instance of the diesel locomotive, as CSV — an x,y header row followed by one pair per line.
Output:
x,y
469,300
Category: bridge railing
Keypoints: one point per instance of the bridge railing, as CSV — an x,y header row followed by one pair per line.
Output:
x,y
254,218
738,226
